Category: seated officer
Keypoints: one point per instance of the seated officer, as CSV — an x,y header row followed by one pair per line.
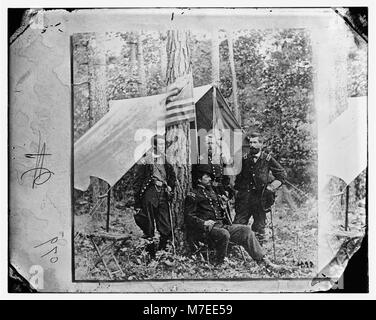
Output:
x,y
206,220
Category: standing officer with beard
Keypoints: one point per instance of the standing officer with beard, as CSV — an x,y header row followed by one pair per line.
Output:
x,y
217,161
154,183
260,177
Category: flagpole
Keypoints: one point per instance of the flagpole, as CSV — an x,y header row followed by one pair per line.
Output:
x,y
347,208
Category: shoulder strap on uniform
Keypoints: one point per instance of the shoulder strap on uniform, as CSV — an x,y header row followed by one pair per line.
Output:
x,y
192,194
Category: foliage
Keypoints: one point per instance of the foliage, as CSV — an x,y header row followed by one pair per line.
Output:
x,y
275,85
274,75
357,71
122,71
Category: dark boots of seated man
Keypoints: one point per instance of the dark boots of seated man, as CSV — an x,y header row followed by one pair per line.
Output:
x,y
205,219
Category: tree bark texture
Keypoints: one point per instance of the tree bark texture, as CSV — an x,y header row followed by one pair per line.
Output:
x,y
141,66
233,77
163,57
215,57
97,100
177,136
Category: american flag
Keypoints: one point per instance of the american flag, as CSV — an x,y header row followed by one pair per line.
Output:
x,y
180,104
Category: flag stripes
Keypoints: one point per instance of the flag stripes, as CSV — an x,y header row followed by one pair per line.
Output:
x,y
181,108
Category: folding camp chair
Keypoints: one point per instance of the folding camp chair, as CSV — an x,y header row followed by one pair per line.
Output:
x,y
106,252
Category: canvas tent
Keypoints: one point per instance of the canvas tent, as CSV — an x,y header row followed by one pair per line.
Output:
x,y
346,139
114,144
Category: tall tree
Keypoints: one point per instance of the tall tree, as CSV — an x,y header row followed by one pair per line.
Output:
x,y
215,57
177,136
98,104
141,65
163,56
133,49
80,43
233,76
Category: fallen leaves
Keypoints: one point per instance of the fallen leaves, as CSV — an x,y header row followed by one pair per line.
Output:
x,y
295,243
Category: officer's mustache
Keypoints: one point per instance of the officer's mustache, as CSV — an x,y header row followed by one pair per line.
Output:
x,y
253,150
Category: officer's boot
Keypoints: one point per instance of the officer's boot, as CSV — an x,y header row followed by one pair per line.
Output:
x,y
163,242
260,235
151,249
221,245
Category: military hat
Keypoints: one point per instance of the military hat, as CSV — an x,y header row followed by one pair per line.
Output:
x,y
200,169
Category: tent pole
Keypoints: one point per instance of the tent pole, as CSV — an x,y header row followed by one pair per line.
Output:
x,y
347,208
108,210
215,117
197,139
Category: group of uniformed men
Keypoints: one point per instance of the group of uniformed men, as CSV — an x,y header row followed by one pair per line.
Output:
x,y
205,213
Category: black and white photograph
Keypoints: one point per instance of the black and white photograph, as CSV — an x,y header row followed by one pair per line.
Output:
x,y
191,220
199,144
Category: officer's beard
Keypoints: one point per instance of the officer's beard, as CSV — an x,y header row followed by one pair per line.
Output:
x,y
253,150
207,185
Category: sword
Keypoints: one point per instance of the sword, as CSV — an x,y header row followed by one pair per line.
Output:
x,y
272,226
172,227
226,208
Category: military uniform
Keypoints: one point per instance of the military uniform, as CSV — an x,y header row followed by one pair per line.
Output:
x,y
202,204
150,194
253,198
221,182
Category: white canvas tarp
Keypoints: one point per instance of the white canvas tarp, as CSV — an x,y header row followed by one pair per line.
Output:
x,y
345,144
107,150
117,141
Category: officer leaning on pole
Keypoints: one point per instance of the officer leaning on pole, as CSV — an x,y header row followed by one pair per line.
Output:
x,y
260,177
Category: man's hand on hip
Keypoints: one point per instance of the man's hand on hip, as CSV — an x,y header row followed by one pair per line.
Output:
x,y
209,223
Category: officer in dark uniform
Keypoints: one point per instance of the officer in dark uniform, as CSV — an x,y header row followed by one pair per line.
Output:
x,y
206,220
260,177
214,158
154,183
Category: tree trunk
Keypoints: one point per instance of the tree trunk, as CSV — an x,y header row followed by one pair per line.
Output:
x,y
141,66
133,67
163,57
132,43
98,103
233,76
81,103
177,136
215,57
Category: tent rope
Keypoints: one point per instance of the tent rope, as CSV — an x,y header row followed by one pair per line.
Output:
x,y
100,201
